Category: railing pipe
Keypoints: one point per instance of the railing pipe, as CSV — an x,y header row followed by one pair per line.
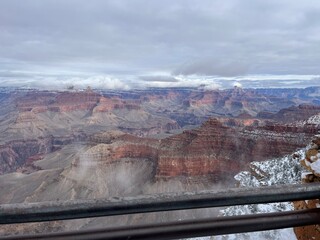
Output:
x,y
62,210
190,228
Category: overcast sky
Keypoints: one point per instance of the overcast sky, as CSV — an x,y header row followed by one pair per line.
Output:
x,y
137,43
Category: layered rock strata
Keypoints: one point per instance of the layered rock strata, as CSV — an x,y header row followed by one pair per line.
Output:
x,y
218,149
19,155
16,154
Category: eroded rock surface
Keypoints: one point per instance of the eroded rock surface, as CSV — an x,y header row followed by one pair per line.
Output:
x,y
312,164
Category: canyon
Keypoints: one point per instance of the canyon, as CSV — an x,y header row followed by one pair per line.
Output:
x,y
92,144
36,123
220,146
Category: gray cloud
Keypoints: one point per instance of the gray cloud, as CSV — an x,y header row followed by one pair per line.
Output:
x,y
142,37
212,67
158,79
281,83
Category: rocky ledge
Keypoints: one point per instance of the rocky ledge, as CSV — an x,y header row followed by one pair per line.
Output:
x,y
312,164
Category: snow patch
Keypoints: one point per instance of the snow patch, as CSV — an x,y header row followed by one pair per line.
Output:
x,y
285,170
313,120
315,166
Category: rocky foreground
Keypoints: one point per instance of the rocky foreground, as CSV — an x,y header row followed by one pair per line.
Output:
x,y
311,163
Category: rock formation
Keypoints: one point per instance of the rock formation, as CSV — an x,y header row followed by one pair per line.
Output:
x,y
312,164
42,113
291,114
19,153
215,148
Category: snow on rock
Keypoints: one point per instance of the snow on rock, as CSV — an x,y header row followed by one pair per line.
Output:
x,y
315,167
312,159
285,170
314,120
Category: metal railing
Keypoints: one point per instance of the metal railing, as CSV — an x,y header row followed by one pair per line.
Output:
x,y
63,210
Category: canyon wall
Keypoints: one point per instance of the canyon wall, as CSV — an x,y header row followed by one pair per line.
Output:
x,y
17,154
218,149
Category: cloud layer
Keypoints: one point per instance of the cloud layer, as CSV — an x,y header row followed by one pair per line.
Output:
x,y
118,39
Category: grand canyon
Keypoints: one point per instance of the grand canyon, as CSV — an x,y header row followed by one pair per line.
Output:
x,y
133,99
89,144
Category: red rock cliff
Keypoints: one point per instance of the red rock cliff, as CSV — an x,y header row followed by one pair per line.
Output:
x,y
217,149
